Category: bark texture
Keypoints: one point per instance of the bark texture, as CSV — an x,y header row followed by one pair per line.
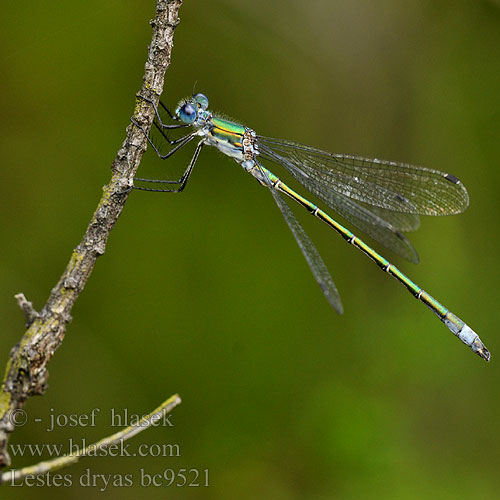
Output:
x,y
26,372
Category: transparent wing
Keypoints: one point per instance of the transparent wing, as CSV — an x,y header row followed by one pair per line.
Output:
x,y
399,220
311,254
381,224
398,187
374,225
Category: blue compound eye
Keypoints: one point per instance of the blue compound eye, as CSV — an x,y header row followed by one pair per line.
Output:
x,y
187,113
201,100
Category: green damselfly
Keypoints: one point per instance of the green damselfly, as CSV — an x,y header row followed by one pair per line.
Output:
x,y
381,198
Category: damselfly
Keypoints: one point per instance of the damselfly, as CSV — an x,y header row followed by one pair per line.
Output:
x,y
381,198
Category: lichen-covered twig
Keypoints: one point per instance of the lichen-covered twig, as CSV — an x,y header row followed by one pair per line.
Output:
x,y
26,372
99,448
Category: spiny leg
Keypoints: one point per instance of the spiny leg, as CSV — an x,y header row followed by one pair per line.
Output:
x,y
182,141
182,181
160,122
172,142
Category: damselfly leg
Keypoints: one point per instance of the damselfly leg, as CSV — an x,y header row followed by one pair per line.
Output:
x,y
182,181
158,116
179,143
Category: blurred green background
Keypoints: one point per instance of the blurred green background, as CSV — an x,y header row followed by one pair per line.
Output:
x,y
207,294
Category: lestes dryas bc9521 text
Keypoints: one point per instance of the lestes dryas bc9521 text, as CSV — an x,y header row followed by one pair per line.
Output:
x,y
381,198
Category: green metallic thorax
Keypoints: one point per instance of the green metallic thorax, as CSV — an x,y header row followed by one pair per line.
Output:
x,y
227,131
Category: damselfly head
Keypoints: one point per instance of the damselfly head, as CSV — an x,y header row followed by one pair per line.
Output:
x,y
188,109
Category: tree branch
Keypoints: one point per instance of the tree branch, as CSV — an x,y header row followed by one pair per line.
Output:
x,y
26,372
99,448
